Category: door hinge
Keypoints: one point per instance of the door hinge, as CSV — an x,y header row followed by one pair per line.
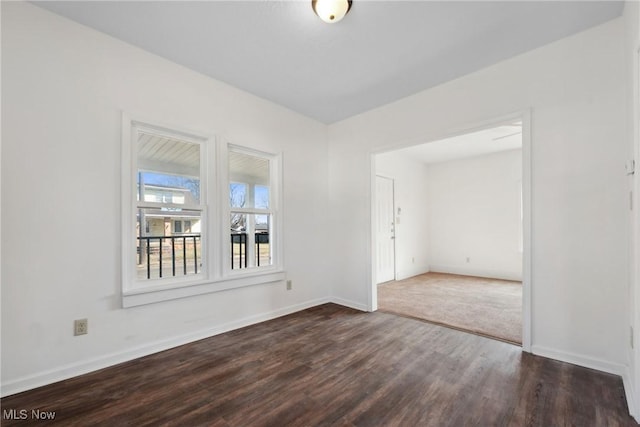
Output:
x,y
630,167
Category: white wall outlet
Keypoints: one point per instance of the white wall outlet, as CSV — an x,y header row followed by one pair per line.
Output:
x,y
80,327
289,285
468,260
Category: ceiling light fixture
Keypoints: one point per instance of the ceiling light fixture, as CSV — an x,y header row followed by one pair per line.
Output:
x,y
331,11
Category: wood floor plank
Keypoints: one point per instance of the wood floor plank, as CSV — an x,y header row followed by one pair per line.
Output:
x,y
333,366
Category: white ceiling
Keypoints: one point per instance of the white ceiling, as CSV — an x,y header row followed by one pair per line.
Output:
x,y
505,137
380,52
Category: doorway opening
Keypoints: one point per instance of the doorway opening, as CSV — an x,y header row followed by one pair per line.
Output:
x,y
459,231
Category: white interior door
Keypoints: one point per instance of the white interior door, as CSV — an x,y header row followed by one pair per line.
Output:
x,y
385,234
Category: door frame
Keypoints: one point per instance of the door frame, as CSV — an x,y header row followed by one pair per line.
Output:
x,y
527,206
633,390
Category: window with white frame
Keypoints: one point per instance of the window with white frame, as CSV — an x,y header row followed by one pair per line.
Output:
x,y
169,174
251,210
175,242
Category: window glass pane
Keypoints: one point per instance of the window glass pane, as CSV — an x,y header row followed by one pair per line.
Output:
x,y
162,250
250,241
252,172
163,188
168,170
261,196
238,223
237,195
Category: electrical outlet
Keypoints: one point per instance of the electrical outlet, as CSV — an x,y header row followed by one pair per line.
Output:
x,y
289,285
468,260
80,327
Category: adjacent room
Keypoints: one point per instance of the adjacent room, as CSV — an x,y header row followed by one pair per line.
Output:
x,y
450,245
190,228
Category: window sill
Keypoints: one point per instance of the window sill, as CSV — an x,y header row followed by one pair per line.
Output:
x,y
142,296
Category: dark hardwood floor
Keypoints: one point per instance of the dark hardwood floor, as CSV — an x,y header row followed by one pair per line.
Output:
x,y
331,365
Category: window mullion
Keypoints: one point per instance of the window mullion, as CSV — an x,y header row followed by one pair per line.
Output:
x,y
218,195
169,206
251,211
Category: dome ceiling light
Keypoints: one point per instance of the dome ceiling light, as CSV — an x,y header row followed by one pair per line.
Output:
x,y
331,11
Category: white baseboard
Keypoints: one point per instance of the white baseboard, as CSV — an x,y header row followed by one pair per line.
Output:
x,y
629,393
85,366
350,304
580,360
476,272
401,275
597,364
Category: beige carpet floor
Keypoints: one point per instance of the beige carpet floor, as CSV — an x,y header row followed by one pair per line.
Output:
x,y
486,307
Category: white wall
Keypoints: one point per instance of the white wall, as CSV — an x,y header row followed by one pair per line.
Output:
x,y
64,89
411,196
474,216
576,89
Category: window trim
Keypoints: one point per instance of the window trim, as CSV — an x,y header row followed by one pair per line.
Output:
x,y
214,196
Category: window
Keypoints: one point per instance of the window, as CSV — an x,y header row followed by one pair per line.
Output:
x,y
169,174
251,212
199,215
